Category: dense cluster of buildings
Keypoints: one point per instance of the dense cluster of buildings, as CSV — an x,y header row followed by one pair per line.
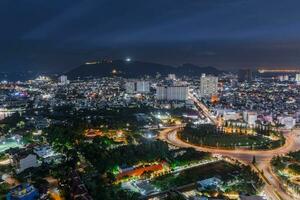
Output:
x,y
272,99
241,98
268,102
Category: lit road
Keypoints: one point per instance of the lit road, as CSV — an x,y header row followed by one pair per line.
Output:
x,y
263,157
273,188
203,109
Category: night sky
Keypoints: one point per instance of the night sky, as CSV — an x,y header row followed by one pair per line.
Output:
x,y
56,35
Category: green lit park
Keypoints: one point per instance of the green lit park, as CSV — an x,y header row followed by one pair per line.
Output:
x,y
211,136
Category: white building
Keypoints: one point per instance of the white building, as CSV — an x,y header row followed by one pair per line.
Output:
x,y
177,93
297,79
229,114
171,77
172,93
43,151
23,161
47,154
161,92
142,86
288,122
209,183
137,87
130,87
208,85
63,80
284,78
250,118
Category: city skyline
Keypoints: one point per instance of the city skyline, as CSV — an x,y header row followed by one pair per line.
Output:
x,y
150,100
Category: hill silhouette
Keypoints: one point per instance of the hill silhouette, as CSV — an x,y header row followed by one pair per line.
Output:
x,y
134,69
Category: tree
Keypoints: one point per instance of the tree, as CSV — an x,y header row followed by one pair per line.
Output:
x,y
254,160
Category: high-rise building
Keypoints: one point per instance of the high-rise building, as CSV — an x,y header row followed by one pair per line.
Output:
x,y
245,75
137,86
283,77
63,80
208,85
280,78
172,93
161,92
250,118
171,77
143,86
130,87
177,93
297,79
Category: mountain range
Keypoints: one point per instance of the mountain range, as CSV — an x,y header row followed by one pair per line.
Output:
x,y
134,69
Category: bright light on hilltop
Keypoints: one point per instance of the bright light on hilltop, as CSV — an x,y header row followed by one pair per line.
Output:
x,y
128,59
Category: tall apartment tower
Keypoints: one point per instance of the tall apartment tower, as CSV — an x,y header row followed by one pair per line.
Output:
x,y
172,93
208,85
130,87
171,77
297,79
143,86
137,86
63,80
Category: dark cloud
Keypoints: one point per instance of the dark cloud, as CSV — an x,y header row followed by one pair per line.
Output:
x,y
61,34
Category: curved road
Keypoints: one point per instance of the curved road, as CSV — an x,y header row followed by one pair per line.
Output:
x,y
273,188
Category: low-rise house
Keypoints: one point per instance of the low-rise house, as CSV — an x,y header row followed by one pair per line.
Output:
x,y
139,171
47,155
39,123
208,184
43,151
23,160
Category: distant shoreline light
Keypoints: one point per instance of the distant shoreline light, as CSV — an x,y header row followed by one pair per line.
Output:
x,y
278,71
92,63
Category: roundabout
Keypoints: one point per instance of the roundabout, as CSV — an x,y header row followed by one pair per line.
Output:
x,y
273,188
